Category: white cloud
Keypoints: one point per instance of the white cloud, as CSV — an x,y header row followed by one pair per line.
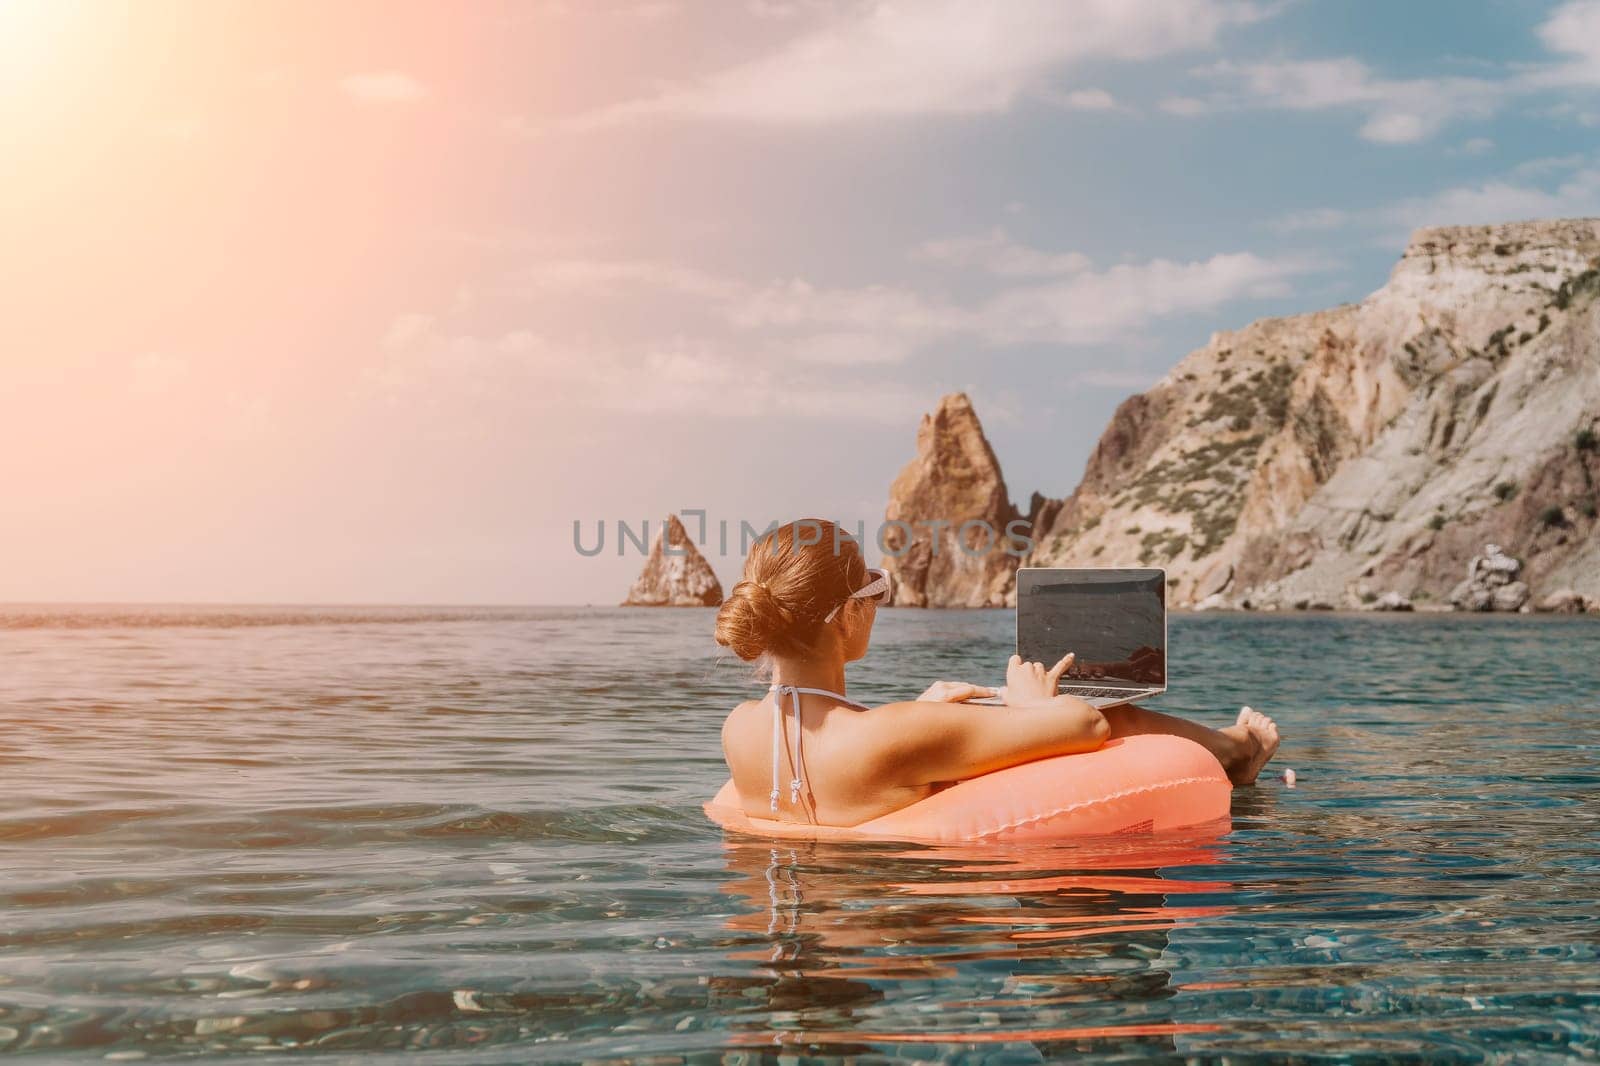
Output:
x,y
1557,187
732,346
1063,301
950,57
1093,307
383,87
1550,164
1572,30
1398,111
1500,201
797,304
1477,146
521,370
1408,110
996,253
1081,100
1396,127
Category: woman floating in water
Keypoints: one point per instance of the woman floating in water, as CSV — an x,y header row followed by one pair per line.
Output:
x,y
806,606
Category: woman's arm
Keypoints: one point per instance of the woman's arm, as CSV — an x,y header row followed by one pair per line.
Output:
x,y
925,743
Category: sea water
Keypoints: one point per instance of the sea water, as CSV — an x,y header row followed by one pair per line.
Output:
x,y
474,835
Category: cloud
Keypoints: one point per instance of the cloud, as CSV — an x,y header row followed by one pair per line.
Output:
x,y
1409,110
1081,100
935,57
996,253
1555,187
519,371
797,304
383,87
649,336
1052,298
1400,111
1500,201
1572,30
792,334
1396,127
1093,307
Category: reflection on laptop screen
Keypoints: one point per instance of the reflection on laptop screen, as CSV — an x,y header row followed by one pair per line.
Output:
x,y
1115,620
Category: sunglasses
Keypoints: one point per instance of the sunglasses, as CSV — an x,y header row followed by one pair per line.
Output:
x,y
878,589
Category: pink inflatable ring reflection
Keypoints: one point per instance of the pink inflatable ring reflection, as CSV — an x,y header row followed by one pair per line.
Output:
x,y
1132,785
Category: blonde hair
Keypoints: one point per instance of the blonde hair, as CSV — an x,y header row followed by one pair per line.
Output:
x,y
788,587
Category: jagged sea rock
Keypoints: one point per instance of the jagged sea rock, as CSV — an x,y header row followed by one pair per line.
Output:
x,y
1563,601
945,527
679,577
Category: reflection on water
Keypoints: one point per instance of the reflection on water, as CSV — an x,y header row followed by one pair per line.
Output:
x,y
477,834
843,919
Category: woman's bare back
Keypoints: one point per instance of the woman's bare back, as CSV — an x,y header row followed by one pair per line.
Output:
x,y
843,761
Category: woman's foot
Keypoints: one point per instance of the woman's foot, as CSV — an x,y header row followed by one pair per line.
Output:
x,y
1256,737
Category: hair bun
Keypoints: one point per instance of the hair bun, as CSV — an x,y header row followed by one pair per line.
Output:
x,y
751,620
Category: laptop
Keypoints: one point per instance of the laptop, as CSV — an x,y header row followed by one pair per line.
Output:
x,y
1115,620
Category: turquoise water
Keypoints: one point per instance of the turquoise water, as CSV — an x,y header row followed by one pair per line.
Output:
x,y
474,836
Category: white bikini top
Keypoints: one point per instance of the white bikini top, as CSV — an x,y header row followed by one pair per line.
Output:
x,y
793,692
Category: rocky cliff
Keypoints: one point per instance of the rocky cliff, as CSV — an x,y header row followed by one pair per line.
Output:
x,y
1342,457
679,577
1335,456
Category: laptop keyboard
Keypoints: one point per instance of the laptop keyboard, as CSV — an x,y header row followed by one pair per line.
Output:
x,y
1074,690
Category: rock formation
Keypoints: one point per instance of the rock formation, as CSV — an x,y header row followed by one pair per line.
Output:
x,y
1326,459
945,529
1491,583
679,577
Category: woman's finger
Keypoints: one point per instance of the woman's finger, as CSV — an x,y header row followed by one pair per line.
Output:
x,y
1060,668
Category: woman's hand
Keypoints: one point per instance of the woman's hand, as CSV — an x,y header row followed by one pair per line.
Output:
x,y
1030,684
954,692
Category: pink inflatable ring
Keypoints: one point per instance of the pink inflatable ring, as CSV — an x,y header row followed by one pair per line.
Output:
x,y
1132,785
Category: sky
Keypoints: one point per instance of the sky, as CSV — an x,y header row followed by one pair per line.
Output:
x,y
372,302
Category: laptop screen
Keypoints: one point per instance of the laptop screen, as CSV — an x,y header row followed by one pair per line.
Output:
x,y
1115,620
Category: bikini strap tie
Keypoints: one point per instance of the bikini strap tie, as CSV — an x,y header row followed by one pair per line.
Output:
x,y
793,692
